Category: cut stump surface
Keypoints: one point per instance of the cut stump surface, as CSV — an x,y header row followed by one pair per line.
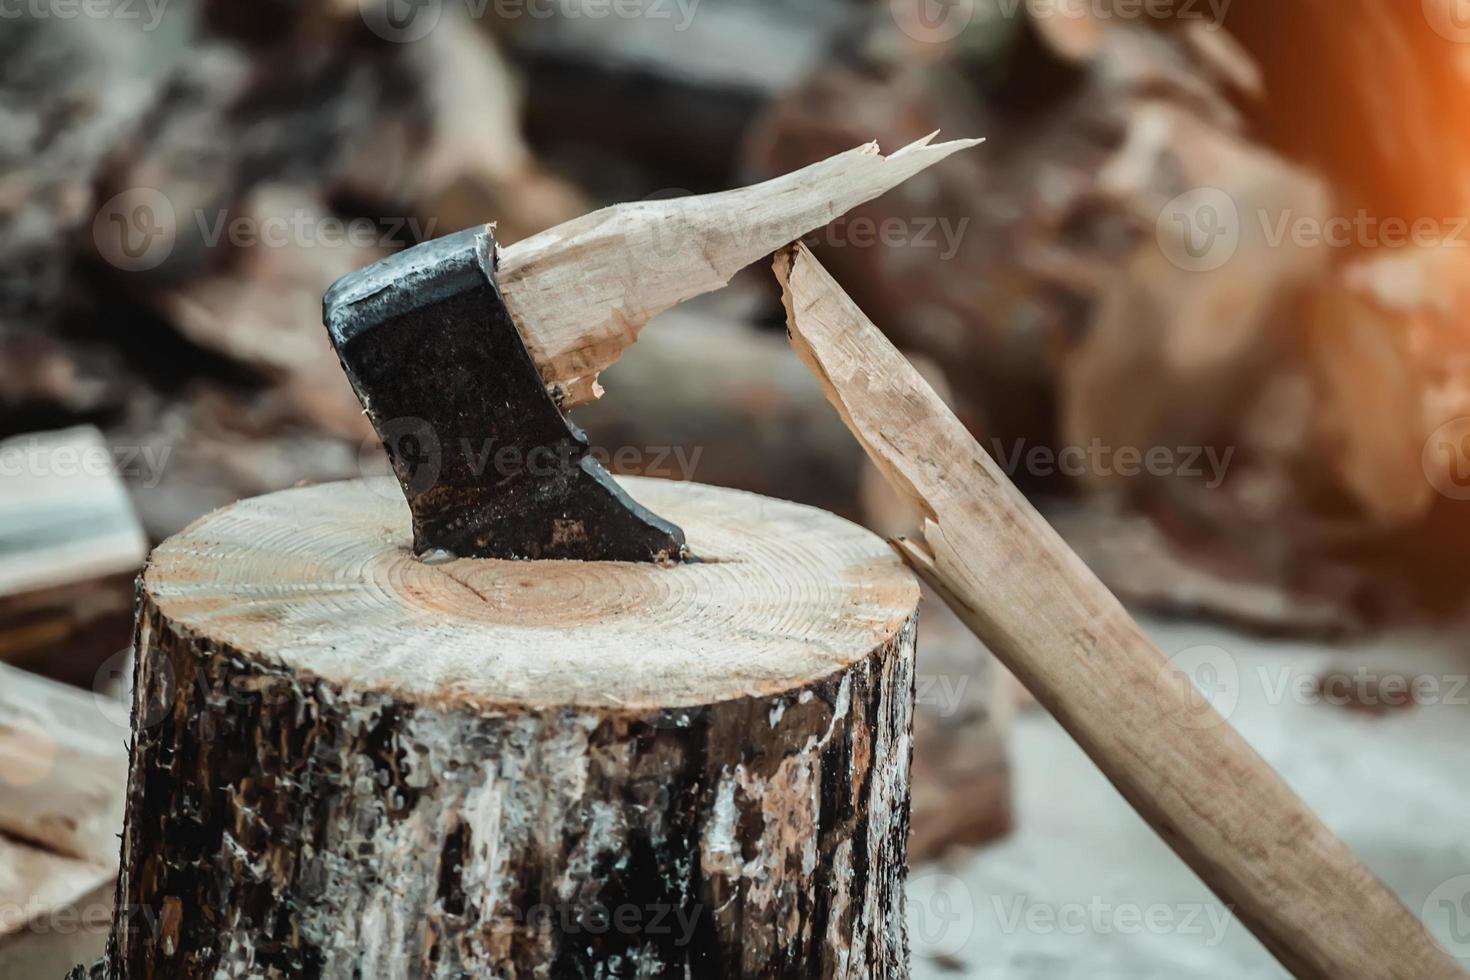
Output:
x,y
350,762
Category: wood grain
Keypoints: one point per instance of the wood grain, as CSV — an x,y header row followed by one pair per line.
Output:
x,y
63,761
63,769
70,548
65,513
580,292
1172,756
323,579
352,763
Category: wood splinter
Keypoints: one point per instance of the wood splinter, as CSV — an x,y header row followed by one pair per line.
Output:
x,y
581,292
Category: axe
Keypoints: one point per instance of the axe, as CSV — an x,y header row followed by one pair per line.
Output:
x,y
461,339
460,342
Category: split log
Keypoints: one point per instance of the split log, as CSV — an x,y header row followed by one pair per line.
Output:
x,y
71,549
618,87
62,754
349,762
54,911
62,775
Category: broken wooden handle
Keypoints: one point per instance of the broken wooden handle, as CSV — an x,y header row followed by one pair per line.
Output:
x,y
1018,586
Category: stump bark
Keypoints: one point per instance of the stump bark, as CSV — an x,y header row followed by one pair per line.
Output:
x,y
348,762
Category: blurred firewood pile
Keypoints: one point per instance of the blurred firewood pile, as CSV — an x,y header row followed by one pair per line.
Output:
x,y
1118,273
63,774
1125,286
1225,416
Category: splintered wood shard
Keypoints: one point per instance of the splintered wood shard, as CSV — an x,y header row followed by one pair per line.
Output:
x,y
580,292
1138,716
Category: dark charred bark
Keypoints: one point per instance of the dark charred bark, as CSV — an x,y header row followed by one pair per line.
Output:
x,y
280,825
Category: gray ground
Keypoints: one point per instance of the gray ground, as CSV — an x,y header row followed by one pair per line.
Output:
x,y
1084,889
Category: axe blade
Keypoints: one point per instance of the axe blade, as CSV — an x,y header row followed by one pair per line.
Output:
x,y
489,464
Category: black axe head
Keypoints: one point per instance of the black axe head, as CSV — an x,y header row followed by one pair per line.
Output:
x,y
489,464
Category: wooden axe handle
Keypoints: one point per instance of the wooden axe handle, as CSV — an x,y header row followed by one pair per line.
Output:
x,y
1013,580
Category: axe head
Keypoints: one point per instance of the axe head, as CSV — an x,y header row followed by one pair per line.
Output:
x,y
489,464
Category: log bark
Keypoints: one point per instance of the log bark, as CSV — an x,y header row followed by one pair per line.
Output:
x,y
349,762
709,397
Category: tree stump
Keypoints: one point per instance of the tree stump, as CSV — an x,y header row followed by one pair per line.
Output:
x,y
349,762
